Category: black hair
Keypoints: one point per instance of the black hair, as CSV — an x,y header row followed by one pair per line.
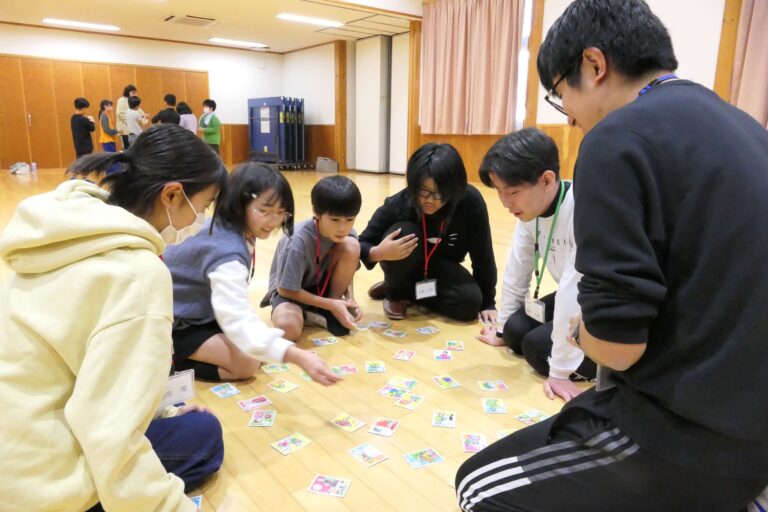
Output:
x,y
170,100
210,104
104,104
182,108
128,90
161,154
520,157
336,195
81,103
251,179
442,163
134,101
632,38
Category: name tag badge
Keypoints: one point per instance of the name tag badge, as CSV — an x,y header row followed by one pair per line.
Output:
x,y
426,289
180,388
535,309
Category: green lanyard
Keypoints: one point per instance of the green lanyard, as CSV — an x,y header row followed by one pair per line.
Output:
x,y
540,271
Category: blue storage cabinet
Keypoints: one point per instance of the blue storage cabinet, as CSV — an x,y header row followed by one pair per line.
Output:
x,y
276,131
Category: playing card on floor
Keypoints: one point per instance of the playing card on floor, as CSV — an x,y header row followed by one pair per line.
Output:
x,y
329,486
446,381
253,403
379,325
384,427
391,391
225,390
409,401
443,355
423,458
291,443
444,419
394,334
375,367
454,345
346,422
492,385
346,369
494,406
532,416
473,443
402,383
404,355
429,329
282,385
368,454
198,501
319,342
262,418
275,368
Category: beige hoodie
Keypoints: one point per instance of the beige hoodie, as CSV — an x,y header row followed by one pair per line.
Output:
x,y
85,350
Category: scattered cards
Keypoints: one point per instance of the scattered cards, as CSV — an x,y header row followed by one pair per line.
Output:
x,y
346,422
394,334
319,342
384,427
275,368
505,432
253,403
532,416
454,345
473,443
346,369
368,454
427,330
375,367
446,381
329,486
225,390
291,443
197,500
409,401
392,392
402,383
423,458
282,385
494,406
262,419
492,385
444,419
443,355
404,355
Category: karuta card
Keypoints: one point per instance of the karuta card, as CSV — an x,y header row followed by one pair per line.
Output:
x,y
494,406
404,355
454,345
402,383
446,381
532,416
197,500
291,443
394,334
409,401
368,454
445,419
429,329
346,422
263,418
346,369
362,326
443,355
423,458
384,427
505,432
305,376
492,385
275,368
282,385
391,391
375,367
253,403
225,390
319,342
329,486
473,443
379,325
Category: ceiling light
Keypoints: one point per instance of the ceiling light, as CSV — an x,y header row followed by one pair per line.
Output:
x,y
235,42
80,24
311,21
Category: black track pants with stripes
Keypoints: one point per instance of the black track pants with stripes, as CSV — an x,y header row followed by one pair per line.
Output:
x,y
577,461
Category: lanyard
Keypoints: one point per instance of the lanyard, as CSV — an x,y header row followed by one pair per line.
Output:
x,y
427,257
540,271
321,292
253,264
655,82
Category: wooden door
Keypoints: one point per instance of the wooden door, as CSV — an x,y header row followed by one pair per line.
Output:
x,y
14,143
68,85
197,90
119,77
173,83
150,86
40,102
96,88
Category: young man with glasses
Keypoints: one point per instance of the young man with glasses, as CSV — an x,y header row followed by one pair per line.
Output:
x,y
423,233
670,188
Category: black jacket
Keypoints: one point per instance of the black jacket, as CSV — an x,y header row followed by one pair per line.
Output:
x,y
167,116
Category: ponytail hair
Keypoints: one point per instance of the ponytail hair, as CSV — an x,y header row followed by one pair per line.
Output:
x,y
162,154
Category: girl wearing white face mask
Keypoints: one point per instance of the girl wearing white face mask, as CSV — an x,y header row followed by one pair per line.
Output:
x,y
86,386
216,331
210,126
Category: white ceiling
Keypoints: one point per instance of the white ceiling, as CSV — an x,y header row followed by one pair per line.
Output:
x,y
250,20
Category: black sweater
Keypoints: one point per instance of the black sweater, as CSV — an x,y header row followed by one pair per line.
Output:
x,y
167,116
670,227
81,134
468,231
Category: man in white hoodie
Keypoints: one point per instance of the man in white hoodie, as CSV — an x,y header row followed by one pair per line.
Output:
x,y
524,167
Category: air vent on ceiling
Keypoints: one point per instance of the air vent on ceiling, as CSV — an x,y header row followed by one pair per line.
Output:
x,y
194,21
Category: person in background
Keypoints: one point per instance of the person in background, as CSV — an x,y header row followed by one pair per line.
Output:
x,y
187,118
120,112
168,115
82,127
135,118
210,126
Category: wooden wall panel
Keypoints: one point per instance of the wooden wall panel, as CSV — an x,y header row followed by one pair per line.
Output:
x,y
150,88
173,82
472,149
197,90
96,88
319,141
119,77
340,132
14,144
568,140
727,53
68,85
235,146
414,80
41,106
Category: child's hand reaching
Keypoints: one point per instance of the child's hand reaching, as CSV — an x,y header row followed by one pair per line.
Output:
x,y
313,364
355,310
340,309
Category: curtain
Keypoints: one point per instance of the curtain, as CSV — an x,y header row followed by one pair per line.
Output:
x,y
469,61
749,86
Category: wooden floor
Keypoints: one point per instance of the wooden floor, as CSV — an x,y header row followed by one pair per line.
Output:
x,y
255,477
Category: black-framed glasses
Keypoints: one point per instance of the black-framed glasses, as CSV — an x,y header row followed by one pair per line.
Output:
x,y
426,194
552,98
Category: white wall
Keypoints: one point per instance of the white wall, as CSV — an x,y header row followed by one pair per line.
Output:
x,y
694,26
311,74
234,75
372,104
398,120
413,7
351,126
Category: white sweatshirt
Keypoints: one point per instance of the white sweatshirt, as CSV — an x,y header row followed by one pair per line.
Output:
x,y
565,358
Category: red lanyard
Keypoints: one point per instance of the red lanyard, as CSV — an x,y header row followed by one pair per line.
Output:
x,y
321,292
427,257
